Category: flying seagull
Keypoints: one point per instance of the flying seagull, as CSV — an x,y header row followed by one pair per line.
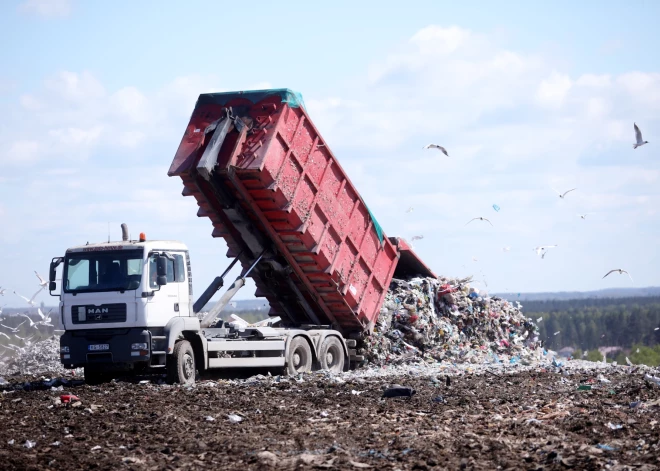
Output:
x,y
13,329
638,138
480,219
43,283
506,249
621,272
541,250
29,301
417,237
2,291
563,195
410,210
436,146
583,216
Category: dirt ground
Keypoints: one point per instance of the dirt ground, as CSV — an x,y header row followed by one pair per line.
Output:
x,y
526,420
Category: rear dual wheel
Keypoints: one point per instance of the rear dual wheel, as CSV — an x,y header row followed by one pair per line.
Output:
x,y
299,359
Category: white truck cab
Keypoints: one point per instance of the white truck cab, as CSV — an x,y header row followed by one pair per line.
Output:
x,y
127,307
113,305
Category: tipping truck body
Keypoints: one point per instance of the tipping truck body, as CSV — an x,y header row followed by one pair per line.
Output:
x,y
261,172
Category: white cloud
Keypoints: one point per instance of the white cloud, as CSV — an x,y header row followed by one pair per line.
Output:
x,y
553,90
21,152
46,8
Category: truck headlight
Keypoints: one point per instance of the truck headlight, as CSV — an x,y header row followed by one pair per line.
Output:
x,y
64,349
140,346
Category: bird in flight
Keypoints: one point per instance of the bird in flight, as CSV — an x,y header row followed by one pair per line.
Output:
x,y
563,195
436,146
29,301
638,138
621,272
13,329
506,249
2,291
583,216
410,210
542,250
43,283
480,219
418,237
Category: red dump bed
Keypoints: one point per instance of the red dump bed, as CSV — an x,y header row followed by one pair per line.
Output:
x,y
262,173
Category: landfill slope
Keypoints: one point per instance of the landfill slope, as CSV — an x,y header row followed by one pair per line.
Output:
x,y
508,419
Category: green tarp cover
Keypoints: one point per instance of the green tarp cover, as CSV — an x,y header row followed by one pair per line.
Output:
x,y
291,98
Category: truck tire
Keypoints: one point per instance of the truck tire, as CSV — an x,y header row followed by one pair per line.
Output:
x,y
299,359
181,364
95,376
331,355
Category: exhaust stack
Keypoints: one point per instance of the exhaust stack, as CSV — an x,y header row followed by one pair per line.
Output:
x,y
124,232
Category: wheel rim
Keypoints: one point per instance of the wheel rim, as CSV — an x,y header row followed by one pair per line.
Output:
x,y
188,366
299,359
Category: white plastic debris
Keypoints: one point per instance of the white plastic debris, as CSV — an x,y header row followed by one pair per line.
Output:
x,y
612,426
11,442
653,379
234,419
209,418
29,444
95,448
323,413
603,379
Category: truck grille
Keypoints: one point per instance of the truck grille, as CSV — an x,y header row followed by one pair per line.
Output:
x,y
102,314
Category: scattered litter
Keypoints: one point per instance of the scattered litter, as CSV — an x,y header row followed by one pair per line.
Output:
x,y
234,419
612,426
356,393
96,448
397,390
602,446
208,418
29,444
11,442
603,379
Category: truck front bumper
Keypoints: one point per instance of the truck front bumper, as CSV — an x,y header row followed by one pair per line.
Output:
x,y
122,348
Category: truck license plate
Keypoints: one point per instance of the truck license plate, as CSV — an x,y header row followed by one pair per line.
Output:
x,y
101,346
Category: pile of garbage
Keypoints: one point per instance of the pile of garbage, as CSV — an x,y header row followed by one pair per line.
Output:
x,y
445,319
35,358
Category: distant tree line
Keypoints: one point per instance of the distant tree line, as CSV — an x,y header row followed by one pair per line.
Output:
x,y
588,324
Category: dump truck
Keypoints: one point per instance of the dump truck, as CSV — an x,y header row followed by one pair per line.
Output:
x,y
260,171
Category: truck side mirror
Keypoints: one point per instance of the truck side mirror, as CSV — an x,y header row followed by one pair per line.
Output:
x,y
54,263
161,270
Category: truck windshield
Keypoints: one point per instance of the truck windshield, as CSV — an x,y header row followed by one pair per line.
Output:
x,y
86,272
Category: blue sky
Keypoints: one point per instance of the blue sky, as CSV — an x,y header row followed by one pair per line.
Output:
x,y
526,97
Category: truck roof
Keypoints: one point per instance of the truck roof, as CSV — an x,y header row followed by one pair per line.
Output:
x,y
129,244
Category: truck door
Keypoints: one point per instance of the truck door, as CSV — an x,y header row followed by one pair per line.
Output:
x,y
182,276
164,304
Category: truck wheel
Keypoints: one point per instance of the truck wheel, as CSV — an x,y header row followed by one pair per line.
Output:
x,y
299,359
181,364
94,376
331,355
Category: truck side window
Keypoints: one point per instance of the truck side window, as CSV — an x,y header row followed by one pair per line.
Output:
x,y
153,272
179,269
